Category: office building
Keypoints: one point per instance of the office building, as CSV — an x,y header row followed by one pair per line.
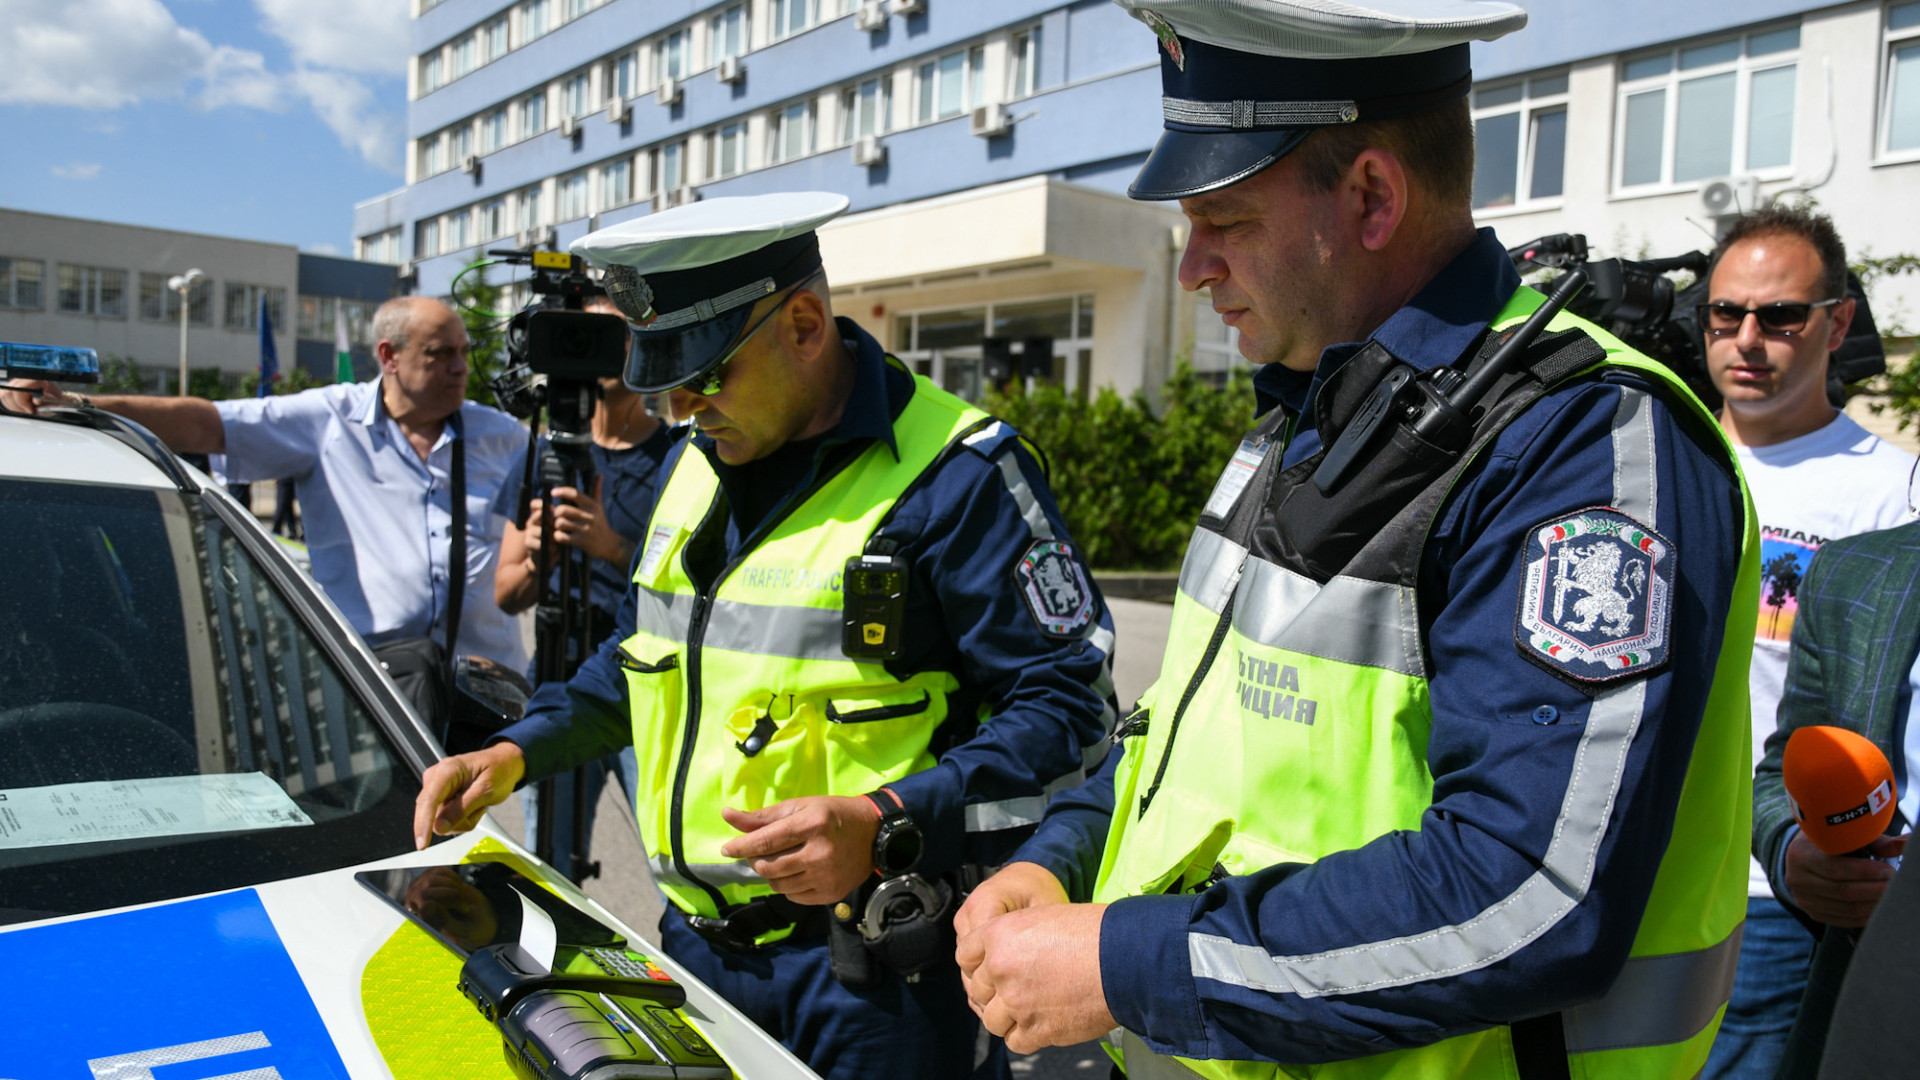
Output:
x,y
104,286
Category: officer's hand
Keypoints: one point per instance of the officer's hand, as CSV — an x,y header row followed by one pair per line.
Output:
x,y
1016,887
1839,890
457,790
15,401
812,850
1033,976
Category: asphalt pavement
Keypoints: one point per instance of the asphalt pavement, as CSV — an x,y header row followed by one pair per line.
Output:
x,y
625,888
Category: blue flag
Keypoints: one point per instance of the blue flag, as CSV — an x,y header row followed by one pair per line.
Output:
x,y
269,357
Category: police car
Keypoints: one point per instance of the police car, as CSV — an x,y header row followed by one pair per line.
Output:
x,y
205,778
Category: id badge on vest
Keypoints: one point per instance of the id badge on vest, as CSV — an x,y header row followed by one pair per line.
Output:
x,y
1235,478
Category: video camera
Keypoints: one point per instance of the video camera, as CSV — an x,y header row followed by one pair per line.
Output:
x,y
1638,303
552,337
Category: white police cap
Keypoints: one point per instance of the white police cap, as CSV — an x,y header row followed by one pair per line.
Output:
x,y
1245,81
687,278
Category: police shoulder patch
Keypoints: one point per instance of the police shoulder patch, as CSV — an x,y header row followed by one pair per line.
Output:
x,y
1054,584
1596,598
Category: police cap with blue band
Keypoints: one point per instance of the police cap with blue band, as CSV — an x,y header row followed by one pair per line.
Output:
x,y
1245,81
687,279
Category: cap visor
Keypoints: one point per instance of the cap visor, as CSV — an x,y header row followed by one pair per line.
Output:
x,y
1188,163
661,361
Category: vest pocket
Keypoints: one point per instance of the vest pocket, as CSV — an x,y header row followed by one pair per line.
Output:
x,y
629,662
867,710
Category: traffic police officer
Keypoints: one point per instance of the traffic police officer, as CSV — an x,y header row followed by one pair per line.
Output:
x,y
1444,774
859,643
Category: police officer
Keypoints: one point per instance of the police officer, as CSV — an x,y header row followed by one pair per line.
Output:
x,y
1445,771
858,649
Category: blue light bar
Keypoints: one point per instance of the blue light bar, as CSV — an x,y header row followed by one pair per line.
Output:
x,y
59,363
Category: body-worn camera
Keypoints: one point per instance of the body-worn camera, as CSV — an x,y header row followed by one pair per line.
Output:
x,y
1639,304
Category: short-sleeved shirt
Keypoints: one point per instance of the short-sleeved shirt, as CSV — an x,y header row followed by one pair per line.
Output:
x,y
378,518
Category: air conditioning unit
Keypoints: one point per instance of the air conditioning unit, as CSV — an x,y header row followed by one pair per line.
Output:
x,y
470,164
990,120
1729,196
871,16
908,7
673,197
538,236
669,91
568,127
869,150
407,271
619,109
731,70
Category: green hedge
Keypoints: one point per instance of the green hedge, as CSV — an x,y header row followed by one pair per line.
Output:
x,y
1131,481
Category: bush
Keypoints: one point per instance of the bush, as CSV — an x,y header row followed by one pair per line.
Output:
x,y
1131,483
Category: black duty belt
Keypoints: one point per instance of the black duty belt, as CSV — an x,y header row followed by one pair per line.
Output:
x,y
736,930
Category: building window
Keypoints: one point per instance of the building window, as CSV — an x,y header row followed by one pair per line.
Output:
x,y
1023,64
20,283
316,318
626,76
493,131
574,96
730,149
432,72
429,154
1900,128
1708,110
465,55
1519,140
943,85
535,20
493,40
243,306
791,16
727,34
459,230
616,183
946,344
381,247
91,290
670,54
491,220
573,197
673,166
577,8
459,145
426,239
865,110
790,132
530,209
533,116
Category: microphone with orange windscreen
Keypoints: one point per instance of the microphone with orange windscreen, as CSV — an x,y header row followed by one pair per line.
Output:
x,y
1840,787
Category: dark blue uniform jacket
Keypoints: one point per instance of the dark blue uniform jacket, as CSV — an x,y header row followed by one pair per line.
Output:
x,y
1499,773
1047,699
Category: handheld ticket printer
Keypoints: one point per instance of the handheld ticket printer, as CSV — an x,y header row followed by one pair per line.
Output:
x,y
571,1000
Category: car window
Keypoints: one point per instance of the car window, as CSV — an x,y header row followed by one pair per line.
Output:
x,y
168,724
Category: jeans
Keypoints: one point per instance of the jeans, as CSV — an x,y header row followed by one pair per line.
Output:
x,y
624,769
1767,988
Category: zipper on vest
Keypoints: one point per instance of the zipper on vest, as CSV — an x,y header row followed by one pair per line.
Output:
x,y
1193,687
1134,724
696,630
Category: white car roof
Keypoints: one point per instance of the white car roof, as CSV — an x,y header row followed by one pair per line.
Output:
x,y
41,450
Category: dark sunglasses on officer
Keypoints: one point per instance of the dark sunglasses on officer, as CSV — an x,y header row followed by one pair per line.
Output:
x,y
1783,318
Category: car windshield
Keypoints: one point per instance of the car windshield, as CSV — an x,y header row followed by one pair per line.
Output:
x,y
168,724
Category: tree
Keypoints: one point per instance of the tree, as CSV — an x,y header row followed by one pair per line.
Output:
x,y
1782,575
1899,388
478,302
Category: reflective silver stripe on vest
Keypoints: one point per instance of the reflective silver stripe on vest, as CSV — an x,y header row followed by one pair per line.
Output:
x,y
1657,1000
140,1065
1510,924
1635,487
1348,620
662,614
726,873
1022,493
1006,814
1211,569
804,633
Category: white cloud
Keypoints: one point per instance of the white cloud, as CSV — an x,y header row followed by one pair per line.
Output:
x,y
95,54
367,37
79,170
240,77
348,107
324,249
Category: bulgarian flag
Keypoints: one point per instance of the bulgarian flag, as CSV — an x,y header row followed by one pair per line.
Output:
x,y
342,348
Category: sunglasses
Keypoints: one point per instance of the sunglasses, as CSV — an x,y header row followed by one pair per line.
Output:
x,y
706,383
1783,319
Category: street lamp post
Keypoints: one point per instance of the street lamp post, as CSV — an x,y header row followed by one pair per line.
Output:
x,y
183,284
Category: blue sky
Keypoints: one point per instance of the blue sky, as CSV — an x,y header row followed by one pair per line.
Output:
x,y
258,119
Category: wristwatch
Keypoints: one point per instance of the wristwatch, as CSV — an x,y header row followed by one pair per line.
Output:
x,y
897,843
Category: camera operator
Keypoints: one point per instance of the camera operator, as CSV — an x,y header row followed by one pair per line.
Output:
x,y
1776,308
629,443
375,465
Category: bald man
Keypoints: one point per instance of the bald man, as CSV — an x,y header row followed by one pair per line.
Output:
x,y
372,464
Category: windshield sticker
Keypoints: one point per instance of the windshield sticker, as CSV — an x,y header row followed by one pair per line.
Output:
x,y
132,809
234,1004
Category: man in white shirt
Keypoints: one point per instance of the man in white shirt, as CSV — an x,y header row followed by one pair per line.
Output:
x,y
1777,307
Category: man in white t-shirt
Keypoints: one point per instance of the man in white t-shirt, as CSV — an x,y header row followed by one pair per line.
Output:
x,y
1777,306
